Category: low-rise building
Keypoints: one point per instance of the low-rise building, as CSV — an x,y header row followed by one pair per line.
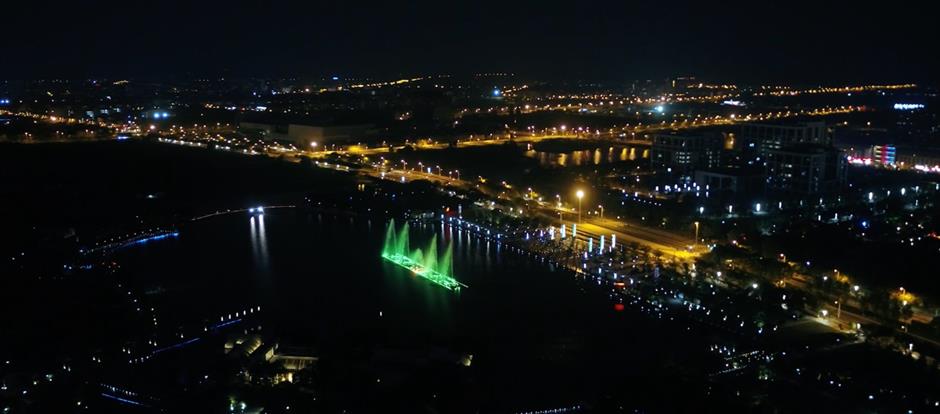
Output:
x,y
308,134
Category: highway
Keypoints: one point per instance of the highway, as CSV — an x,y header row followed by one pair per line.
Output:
x,y
625,135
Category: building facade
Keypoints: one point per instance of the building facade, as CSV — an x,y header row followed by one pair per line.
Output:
x,y
305,136
744,181
761,138
805,169
884,154
683,154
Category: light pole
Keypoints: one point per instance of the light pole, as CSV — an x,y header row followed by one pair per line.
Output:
x,y
602,210
696,234
580,195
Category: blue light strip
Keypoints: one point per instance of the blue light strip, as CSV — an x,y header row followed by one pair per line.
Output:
x,y
224,324
124,400
179,345
157,237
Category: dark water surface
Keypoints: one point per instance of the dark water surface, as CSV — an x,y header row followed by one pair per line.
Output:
x,y
539,336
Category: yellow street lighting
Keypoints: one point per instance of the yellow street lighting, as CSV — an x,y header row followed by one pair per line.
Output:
x,y
580,195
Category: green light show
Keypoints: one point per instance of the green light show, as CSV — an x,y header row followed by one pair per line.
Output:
x,y
427,264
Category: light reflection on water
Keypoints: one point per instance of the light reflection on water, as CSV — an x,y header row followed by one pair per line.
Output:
x,y
587,157
259,241
321,281
320,275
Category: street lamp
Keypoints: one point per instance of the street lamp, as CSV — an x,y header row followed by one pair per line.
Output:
x,y
580,195
696,234
602,210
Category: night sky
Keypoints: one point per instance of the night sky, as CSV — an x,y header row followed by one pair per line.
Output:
x,y
760,41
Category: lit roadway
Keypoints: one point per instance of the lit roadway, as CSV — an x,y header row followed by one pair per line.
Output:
x,y
667,243
671,245
625,135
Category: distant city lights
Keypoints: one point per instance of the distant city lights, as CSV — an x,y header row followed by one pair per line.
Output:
x,y
908,106
859,160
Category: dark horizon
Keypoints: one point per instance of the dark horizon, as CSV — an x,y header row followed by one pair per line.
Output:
x,y
809,43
